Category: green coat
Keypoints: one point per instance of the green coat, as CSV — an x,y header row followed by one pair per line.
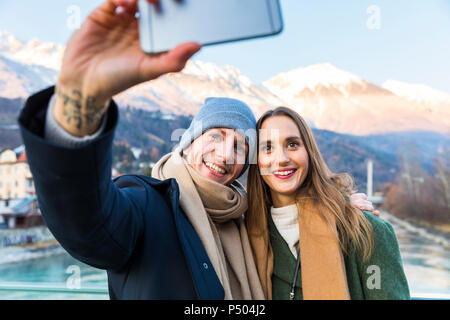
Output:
x,y
382,277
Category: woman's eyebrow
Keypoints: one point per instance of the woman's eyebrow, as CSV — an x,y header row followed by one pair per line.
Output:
x,y
287,139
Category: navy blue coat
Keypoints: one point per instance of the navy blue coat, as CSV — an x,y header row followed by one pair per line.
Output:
x,y
133,227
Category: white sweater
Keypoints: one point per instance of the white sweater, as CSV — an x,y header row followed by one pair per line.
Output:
x,y
286,221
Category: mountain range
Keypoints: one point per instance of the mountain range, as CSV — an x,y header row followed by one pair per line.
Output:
x,y
342,102
349,115
329,98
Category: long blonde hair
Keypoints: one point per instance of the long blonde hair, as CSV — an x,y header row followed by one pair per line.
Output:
x,y
327,190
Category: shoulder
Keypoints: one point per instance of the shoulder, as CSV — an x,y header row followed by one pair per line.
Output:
x,y
382,275
136,180
384,237
146,186
379,225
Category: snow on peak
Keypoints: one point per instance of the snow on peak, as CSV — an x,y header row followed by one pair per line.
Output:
x,y
18,79
287,85
8,43
212,71
34,52
309,77
416,92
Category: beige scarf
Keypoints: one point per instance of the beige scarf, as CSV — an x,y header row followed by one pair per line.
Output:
x,y
216,213
322,263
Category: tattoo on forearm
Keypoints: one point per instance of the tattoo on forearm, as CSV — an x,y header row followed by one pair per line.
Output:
x,y
76,112
72,107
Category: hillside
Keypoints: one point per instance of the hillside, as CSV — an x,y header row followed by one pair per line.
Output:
x,y
9,130
145,130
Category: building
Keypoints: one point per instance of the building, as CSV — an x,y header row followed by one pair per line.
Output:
x,y
20,213
16,181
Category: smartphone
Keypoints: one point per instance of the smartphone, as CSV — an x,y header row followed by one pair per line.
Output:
x,y
208,22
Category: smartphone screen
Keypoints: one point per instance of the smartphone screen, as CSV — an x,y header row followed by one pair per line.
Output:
x,y
206,21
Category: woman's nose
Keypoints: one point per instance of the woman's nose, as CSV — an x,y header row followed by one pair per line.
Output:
x,y
281,158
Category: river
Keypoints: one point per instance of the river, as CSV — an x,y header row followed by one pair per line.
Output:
x,y
426,264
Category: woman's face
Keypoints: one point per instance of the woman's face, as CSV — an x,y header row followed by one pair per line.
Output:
x,y
282,158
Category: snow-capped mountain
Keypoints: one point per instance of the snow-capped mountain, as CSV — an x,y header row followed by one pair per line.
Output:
x,y
27,67
34,52
19,80
430,101
340,101
324,75
184,92
329,98
8,43
418,93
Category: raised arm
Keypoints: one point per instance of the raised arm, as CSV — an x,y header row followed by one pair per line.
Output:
x,y
104,58
96,221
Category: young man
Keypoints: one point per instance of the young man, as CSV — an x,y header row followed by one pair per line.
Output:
x,y
153,242
178,235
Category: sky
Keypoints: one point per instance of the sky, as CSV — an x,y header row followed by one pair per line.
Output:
x,y
405,40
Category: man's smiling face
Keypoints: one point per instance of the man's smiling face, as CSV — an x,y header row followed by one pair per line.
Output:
x,y
218,154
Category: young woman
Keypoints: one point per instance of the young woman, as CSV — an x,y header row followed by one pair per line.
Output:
x,y
308,241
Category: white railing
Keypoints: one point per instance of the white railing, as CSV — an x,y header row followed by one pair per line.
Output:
x,y
430,296
49,288
52,288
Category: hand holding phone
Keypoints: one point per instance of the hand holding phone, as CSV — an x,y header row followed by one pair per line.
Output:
x,y
104,58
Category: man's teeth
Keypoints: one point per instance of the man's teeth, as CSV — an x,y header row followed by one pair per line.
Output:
x,y
215,168
283,173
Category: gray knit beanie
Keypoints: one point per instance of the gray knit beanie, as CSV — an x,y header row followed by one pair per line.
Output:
x,y
223,113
